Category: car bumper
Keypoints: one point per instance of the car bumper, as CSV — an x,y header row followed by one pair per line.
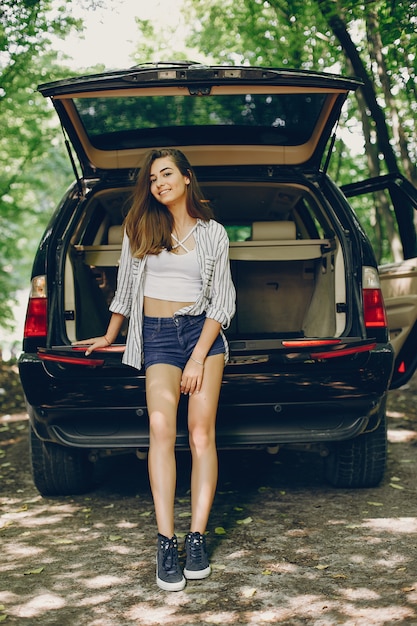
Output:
x,y
304,403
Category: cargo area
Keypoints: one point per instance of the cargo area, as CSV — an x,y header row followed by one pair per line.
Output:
x,y
286,260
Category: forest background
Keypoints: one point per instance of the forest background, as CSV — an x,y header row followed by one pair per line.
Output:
x,y
375,40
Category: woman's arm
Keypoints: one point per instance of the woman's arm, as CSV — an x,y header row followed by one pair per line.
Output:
x,y
192,376
112,332
120,305
208,336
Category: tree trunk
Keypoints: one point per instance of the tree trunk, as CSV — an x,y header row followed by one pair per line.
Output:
x,y
329,11
375,51
382,202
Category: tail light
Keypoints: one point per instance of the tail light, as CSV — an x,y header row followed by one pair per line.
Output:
x,y
36,324
373,301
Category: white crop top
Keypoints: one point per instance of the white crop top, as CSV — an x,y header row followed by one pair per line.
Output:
x,y
174,277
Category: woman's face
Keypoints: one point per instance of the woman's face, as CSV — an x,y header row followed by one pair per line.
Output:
x,y
167,184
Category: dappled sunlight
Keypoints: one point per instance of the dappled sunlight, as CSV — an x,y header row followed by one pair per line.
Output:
x,y
374,616
39,535
290,550
17,550
126,524
401,435
411,591
12,419
239,554
30,521
361,593
104,581
326,611
282,568
26,516
392,525
401,418
223,617
40,605
394,562
103,575
146,613
395,414
119,549
96,600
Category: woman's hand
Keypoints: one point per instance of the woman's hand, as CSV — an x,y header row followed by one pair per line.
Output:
x,y
93,343
192,377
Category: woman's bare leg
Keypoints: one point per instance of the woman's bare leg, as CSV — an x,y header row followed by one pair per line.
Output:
x,y
162,396
202,412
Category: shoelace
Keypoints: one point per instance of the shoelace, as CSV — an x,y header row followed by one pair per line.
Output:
x,y
196,547
170,556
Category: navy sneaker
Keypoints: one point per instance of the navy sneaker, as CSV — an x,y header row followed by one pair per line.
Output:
x,y
197,565
169,576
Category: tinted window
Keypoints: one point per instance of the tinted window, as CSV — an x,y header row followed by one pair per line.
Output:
x,y
377,216
269,119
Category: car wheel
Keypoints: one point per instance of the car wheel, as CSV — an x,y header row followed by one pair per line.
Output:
x,y
359,462
57,470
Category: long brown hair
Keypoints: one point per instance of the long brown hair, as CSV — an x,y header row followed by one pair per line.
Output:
x,y
149,223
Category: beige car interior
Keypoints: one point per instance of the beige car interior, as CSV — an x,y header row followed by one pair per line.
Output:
x,y
288,282
399,288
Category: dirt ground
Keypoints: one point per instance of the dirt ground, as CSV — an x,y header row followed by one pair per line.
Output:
x,y
285,547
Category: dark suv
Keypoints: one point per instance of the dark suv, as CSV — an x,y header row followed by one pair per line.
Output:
x,y
311,361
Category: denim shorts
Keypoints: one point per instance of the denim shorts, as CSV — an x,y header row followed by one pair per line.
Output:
x,y
171,340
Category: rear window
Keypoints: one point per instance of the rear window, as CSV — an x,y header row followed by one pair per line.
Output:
x,y
259,119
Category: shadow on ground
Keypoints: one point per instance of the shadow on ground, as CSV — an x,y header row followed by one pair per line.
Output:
x,y
285,547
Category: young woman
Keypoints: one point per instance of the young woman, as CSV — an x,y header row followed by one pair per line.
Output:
x,y
174,285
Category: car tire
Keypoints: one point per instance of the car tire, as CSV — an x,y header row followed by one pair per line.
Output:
x,y
57,470
359,462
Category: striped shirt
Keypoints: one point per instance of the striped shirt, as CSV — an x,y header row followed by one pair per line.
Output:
x,y
217,298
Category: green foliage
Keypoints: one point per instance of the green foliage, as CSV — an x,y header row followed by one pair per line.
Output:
x,y
398,30
34,168
277,33
153,44
32,171
280,33
302,34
